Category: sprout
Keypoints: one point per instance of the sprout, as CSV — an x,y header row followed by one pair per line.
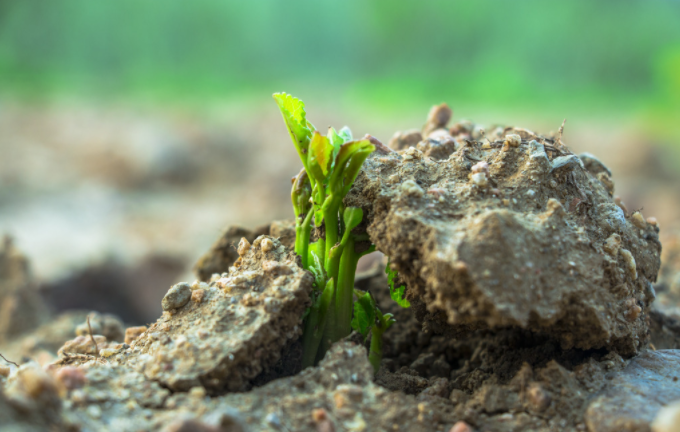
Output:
x,y
331,164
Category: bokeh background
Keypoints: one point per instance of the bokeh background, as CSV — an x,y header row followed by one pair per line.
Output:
x,y
132,132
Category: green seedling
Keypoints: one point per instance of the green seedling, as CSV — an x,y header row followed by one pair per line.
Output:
x,y
330,163
367,317
396,293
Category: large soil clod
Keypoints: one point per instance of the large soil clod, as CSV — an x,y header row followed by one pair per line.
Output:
x,y
228,332
512,229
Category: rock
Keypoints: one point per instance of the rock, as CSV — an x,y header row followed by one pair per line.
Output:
x,y
525,247
404,140
438,117
178,295
634,396
107,325
238,331
668,418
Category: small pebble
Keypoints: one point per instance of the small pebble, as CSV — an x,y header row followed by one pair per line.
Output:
x,y
266,245
198,295
461,426
178,295
243,246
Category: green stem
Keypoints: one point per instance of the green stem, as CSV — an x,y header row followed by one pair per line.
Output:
x,y
316,325
341,325
330,217
303,234
375,352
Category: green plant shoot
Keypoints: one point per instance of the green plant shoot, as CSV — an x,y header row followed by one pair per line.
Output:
x,y
331,163
367,317
396,293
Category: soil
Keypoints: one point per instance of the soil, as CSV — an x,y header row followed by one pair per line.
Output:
x,y
535,307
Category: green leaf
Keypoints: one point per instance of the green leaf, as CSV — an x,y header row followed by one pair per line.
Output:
x,y
397,294
316,267
293,111
300,193
320,156
336,141
353,167
346,134
352,217
364,314
347,151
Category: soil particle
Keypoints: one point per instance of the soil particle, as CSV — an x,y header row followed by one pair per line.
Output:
x,y
529,255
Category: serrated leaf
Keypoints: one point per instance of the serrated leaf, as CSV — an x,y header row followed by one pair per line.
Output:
x,y
321,151
293,111
396,293
364,314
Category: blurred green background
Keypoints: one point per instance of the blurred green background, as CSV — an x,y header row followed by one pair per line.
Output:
x,y
571,57
133,131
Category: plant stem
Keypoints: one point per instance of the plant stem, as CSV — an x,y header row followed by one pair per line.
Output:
x,y
330,217
375,352
316,324
341,325
304,232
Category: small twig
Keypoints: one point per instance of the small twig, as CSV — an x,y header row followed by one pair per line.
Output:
x,y
561,131
92,337
8,361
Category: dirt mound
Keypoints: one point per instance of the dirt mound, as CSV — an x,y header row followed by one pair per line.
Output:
x,y
512,229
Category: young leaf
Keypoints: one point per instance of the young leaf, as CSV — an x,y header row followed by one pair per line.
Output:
x,y
336,141
346,134
316,268
300,193
364,314
347,151
293,111
397,294
352,217
320,156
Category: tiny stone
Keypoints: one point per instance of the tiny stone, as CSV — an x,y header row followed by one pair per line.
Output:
x,y
266,245
177,296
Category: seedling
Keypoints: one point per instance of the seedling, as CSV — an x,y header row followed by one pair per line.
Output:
x,y
330,163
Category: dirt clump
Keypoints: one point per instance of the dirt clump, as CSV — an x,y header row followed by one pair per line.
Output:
x,y
223,253
231,330
512,230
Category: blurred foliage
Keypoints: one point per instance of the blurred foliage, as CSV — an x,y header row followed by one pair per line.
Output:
x,y
592,54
